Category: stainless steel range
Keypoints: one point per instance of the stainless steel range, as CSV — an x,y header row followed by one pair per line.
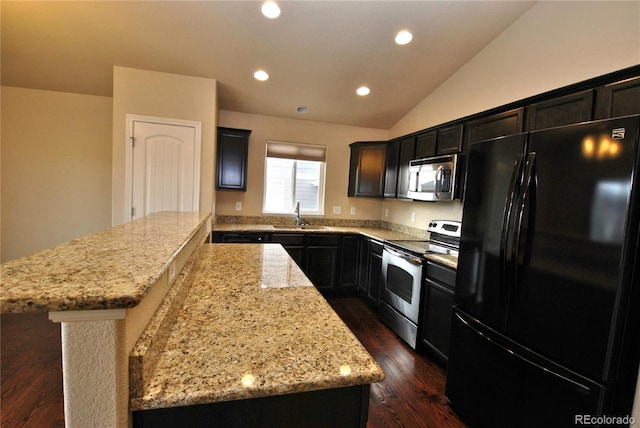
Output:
x,y
403,273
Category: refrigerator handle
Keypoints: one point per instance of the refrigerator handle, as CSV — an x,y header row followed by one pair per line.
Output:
x,y
506,221
527,196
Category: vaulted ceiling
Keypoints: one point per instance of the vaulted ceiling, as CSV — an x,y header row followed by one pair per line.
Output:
x,y
317,52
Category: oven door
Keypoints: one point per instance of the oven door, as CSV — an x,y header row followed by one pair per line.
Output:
x,y
402,282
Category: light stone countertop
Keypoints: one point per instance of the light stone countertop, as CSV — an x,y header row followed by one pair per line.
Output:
x,y
112,269
377,233
253,325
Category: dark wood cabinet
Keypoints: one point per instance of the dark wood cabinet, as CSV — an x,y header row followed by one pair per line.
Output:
x,y
426,144
367,169
391,169
407,154
231,158
497,125
374,272
346,407
240,237
618,99
349,261
449,140
293,243
321,260
437,312
573,108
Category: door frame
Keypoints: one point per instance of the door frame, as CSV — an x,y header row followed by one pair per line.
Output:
x,y
128,179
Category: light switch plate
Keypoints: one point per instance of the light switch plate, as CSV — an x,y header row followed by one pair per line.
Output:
x,y
413,217
352,211
337,210
238,206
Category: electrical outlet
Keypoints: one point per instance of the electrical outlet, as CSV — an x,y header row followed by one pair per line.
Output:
x,y
238,206
413,217
337,210
386,212
352,211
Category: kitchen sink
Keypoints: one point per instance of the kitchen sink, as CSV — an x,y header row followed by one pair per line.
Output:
x,y
305,227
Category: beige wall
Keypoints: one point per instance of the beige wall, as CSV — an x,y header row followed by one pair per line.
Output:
x,y
164,95
553,44
56,168
337,139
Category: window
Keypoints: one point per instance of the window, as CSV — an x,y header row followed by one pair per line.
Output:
x,y
294,172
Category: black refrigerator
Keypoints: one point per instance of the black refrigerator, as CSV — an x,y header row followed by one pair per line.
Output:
x,y
546,325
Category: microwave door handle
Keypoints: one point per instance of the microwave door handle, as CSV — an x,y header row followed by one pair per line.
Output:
x,y
438,182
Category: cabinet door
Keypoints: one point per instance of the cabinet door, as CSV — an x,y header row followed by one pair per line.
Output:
x,y
497,125
321,260
367,169
349,261
363,266
232,156
407,153
374,273
391,172
449,140
293,243
573,108
426,144
618,99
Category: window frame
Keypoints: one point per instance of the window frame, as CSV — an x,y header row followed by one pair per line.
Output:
x,y
297,147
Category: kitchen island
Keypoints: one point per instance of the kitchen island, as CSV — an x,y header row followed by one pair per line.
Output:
x,y
253,343
243,312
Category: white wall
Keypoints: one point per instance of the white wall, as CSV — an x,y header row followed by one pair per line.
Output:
x,y
56,168
152,93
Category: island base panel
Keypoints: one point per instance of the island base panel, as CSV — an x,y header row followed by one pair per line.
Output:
x,y
340,407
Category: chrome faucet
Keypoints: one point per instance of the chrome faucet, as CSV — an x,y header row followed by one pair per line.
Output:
x,y
297,211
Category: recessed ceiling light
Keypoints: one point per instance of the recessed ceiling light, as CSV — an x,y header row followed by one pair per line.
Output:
x,y
270,9
302,109
261,75
403,37
362,91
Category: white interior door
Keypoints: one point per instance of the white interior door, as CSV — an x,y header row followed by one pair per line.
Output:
x,y
165,168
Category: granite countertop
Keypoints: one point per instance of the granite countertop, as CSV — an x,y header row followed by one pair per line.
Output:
x,y
377,233
112,269
252,325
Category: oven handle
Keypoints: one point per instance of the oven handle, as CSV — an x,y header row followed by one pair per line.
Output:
x,y
411,259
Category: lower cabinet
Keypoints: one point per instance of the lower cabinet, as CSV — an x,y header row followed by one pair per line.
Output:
x,y
370,270
437,310
322,260
346,407
330,260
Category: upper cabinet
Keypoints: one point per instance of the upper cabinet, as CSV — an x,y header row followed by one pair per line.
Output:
x,y
443,141
407,154
367,169
497,125
391,173
618,99
573,108
232,157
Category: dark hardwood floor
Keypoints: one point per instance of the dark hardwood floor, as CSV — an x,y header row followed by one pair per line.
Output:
x,y
31,372
412,395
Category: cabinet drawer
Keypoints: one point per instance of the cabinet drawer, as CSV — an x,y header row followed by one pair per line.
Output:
x,y
288,238
375,247
441,274
323,240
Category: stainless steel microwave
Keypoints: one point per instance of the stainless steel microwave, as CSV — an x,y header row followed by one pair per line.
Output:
x,y
433,179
